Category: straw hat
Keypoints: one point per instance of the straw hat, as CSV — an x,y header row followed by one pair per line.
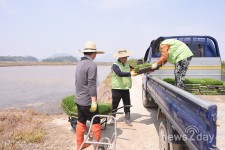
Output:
x,y
91,47
122,53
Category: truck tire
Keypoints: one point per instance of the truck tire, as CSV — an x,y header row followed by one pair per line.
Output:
x,y
163,136
148,101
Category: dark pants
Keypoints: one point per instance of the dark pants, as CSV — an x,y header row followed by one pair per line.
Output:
x,y
120,94
180,72
84,114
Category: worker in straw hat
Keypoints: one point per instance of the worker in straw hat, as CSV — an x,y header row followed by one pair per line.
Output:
x,y
86,94
121,82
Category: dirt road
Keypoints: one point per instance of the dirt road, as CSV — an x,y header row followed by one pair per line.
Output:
x,y
143,135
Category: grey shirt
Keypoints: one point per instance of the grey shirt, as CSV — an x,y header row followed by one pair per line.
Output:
x,y
85,81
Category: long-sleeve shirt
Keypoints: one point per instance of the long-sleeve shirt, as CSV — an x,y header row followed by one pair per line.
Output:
x,y
85,81
117,70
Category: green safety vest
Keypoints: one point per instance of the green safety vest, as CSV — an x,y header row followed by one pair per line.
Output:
x,y
118,82
177,50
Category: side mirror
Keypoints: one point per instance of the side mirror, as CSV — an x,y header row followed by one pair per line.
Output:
x,y
139,62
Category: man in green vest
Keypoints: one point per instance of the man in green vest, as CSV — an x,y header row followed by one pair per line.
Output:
x,y
175,52
121,83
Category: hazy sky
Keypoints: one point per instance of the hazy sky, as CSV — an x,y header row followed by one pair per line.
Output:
x,y
41,28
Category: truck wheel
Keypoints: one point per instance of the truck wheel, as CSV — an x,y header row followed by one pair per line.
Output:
x,y
148,102
163,136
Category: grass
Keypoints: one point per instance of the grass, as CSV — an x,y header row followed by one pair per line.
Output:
x,y
20,126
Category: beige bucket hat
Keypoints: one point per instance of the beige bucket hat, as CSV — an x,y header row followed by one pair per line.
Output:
x,y
91,47
122,53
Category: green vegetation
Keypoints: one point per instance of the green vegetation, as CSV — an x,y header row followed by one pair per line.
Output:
x,y
61,59
69,106
202,81
202,86
18,58
142,66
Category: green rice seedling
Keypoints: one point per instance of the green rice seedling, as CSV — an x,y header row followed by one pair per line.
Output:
x,y
169,80
207,86
69,106
210,81
104,108
142,66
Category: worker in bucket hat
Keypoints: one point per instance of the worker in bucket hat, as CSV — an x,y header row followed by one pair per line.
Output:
x,y
86,93
121,82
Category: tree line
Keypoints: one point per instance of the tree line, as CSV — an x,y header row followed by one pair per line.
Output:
x,y
61,59
18,58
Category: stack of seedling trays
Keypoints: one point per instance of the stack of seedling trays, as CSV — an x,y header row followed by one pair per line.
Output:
x,y
202,86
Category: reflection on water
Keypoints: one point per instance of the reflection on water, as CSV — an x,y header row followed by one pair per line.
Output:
x,y
39,87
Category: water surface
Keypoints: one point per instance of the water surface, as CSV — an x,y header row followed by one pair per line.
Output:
x,y
39,87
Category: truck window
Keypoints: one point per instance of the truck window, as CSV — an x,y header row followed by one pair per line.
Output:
x,y
200,46
198,50
202,49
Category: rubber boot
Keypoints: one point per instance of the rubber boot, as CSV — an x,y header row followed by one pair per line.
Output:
x,y
96,131
80,129
127,119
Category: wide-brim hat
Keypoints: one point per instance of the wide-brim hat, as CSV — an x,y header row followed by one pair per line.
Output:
x,y
122,53
91,47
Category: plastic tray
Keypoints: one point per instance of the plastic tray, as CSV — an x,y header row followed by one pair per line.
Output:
x,y
145,70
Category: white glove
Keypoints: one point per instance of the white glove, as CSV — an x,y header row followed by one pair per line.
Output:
x,y
154,66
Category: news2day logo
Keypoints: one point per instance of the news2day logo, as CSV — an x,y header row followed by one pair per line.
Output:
x,y
192,133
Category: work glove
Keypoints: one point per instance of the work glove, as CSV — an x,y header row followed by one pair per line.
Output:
x,y
154,66
133,73
93,106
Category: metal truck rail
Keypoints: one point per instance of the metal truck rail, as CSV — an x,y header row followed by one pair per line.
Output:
x,y
188,118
